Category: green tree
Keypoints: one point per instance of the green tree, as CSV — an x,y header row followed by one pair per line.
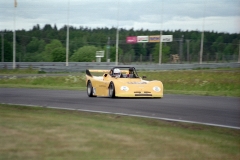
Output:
x,y
85,54
195,49
165,53
216,45
53,45
35,45
113,53
8,53
127,57
140,49
58,54
49,49
228,50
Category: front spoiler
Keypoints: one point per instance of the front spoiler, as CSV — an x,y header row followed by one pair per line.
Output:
x,y
139,95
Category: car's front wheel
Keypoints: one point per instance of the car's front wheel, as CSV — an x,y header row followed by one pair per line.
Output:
x,y
89,89
111,90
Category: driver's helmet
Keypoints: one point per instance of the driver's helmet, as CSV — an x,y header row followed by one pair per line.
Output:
x,y
116,72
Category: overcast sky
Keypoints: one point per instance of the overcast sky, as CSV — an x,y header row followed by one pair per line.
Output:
x,y
212,15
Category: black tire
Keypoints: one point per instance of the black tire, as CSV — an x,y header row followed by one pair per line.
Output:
x,y
111,90
89,89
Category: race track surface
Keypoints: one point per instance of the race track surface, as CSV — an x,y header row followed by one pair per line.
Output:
x,y
220,111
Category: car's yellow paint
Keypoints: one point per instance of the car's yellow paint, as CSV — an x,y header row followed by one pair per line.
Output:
x,y
124,87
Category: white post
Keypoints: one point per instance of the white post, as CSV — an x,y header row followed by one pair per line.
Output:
x,y
117,46
14,35
188,58
67,41
160,43
201,49
2,46
108,46
202,37
117,36
239,52
160,48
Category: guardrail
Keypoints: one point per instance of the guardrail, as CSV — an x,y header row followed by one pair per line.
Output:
x,y
82,66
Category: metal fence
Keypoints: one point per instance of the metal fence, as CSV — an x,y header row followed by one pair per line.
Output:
x,y
82,66
176,59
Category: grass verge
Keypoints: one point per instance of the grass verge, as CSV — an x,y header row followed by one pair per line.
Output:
x,y
19,71
225,82
40,133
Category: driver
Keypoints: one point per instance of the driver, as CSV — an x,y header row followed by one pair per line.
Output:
x,y
131,73
116,72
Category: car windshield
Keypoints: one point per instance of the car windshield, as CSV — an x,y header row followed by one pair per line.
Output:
x,y
127,72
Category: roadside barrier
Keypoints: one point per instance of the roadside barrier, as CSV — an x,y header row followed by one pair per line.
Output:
x,y
82,66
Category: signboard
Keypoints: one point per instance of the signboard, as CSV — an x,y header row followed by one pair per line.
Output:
x,y
167,38
142,39
155,38
99,53
131,39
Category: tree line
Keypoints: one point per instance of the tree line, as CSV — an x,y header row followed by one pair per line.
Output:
x,y
48,44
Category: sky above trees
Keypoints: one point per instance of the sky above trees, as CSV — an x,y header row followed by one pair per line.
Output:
x,y
208,15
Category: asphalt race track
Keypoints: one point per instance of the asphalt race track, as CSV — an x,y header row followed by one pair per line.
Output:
x,y
219,111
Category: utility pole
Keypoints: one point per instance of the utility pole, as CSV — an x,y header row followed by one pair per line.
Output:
x,y
160,38
14,35
2,46
181,48
239,52
67,40
202,37
201,49
117,35
108,47
188,49
160,48
117,46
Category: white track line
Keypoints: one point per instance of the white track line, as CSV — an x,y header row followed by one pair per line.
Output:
x,y
132,115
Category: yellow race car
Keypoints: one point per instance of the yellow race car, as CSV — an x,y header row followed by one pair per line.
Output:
x,y
121,82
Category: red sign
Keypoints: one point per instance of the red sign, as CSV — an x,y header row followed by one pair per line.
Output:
x,y
131,39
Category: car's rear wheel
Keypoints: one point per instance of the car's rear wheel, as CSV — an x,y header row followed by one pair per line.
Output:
x,y
111,90
89,89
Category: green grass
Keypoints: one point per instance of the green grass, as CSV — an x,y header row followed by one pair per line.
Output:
x,y
40,133
43,81
19,71
224,82
199,82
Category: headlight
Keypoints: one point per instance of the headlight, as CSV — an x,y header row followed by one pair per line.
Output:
x,y
124,88
156,89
